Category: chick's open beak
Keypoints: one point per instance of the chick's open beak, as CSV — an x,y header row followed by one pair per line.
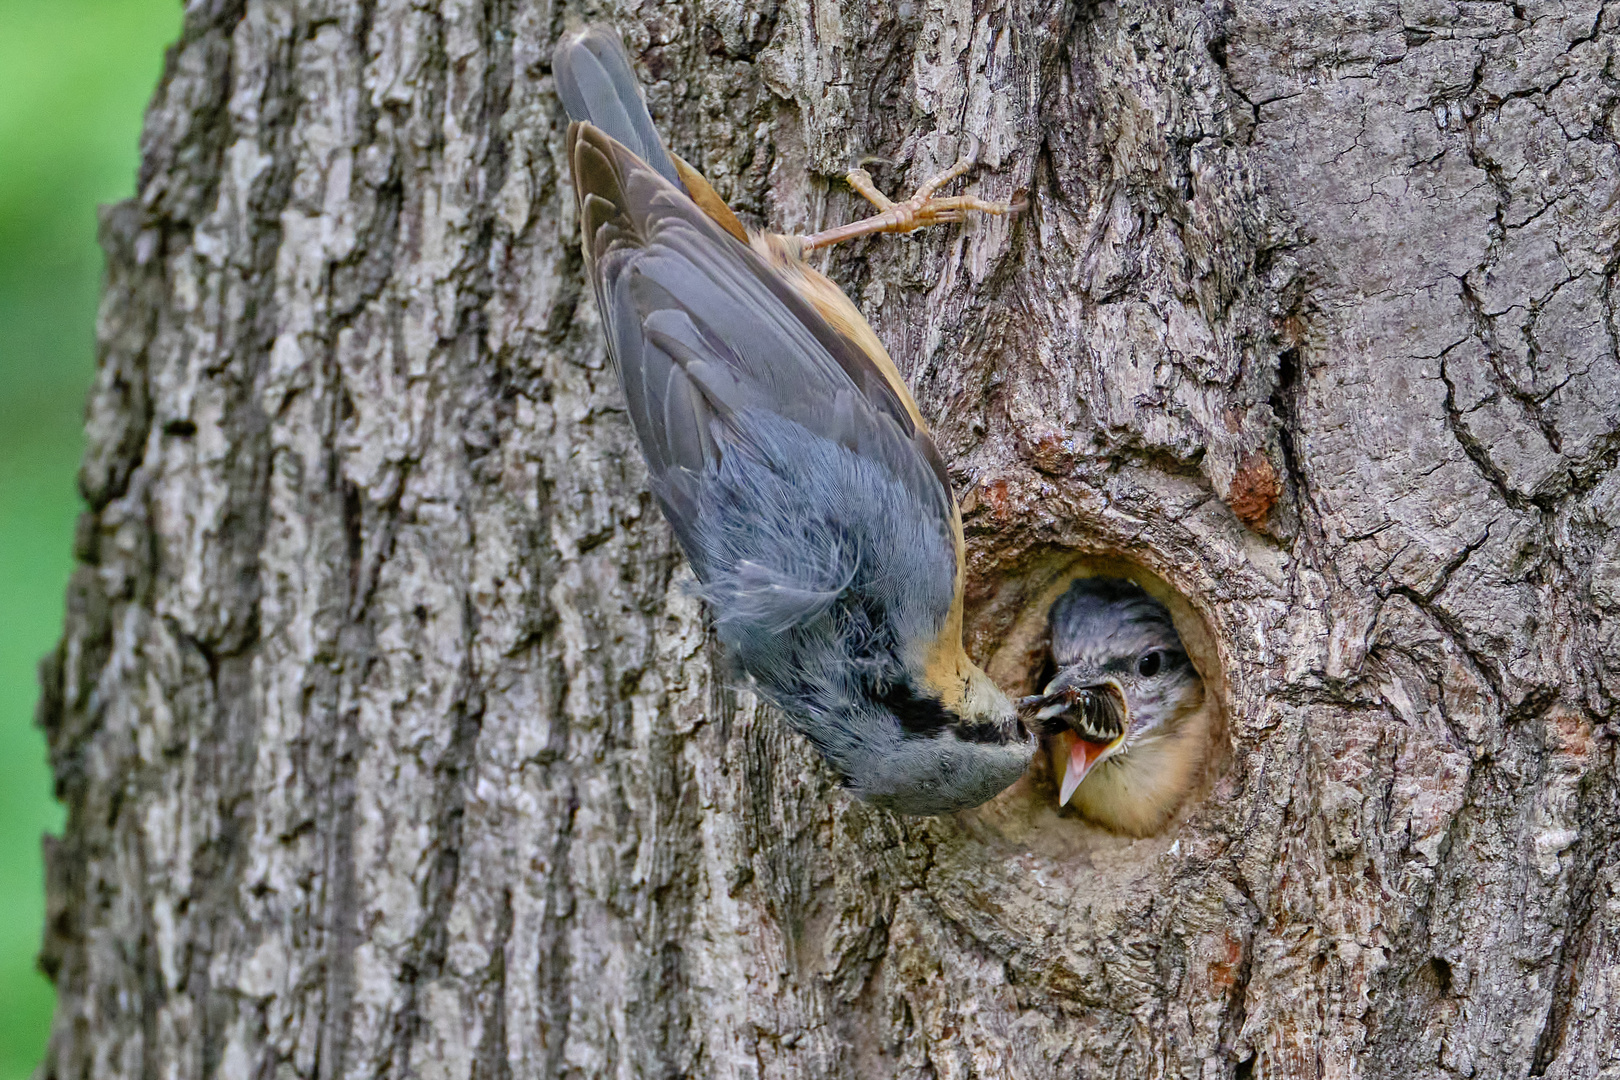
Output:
x,y
1075,757
1088,725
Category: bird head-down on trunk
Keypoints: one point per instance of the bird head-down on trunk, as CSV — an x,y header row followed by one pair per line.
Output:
x,y
1126,709
788,456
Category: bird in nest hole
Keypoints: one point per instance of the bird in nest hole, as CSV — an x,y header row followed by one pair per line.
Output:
x,y
1127,712
789,458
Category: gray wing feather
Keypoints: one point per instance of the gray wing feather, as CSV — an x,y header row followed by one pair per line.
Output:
x,y
598,86
701,333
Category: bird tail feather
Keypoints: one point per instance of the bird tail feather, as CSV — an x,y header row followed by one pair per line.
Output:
x,y
598,87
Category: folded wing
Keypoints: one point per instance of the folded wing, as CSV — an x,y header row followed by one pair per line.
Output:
x,y
708,341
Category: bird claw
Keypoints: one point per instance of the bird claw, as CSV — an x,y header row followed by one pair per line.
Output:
x,y
923,209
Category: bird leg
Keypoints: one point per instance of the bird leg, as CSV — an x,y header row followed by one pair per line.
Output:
x,y
918,212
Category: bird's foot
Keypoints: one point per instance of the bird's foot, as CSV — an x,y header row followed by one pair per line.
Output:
x,y
923,209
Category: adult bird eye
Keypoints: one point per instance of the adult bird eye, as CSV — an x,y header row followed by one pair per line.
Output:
x,y
1148,665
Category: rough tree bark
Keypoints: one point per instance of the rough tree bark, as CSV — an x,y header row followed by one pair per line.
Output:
x,y
393,746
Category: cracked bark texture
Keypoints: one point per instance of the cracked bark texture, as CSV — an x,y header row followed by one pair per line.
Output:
x,y
393,744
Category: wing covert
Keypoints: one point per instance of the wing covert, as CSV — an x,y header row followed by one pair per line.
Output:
x,y
702,329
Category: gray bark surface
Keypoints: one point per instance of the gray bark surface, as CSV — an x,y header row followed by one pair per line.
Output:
x,y
392,740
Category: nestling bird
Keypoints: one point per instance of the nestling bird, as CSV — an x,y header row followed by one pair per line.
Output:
x,y
1135,716
787,454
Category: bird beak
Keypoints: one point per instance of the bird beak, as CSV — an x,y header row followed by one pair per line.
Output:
x,y
1076,757
1092,722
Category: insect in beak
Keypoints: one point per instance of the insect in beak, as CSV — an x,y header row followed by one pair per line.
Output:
x,y
1088,724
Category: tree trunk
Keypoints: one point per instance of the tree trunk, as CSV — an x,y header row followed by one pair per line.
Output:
x,y
392,740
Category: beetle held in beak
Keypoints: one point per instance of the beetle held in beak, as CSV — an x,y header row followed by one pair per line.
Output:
x,y
1126,714
1087,724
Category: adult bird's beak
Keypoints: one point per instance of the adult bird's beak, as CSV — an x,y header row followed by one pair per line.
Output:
x,y
1088,724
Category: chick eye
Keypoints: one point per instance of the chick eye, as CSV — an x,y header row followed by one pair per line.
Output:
x,y
1148,666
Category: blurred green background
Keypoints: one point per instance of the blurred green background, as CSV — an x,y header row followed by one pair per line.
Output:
x,y
75,76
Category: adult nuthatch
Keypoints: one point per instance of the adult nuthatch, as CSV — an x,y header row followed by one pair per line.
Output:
x,y
1131,716
788,456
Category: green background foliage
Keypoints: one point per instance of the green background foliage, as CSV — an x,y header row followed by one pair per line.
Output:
x,y
75,76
